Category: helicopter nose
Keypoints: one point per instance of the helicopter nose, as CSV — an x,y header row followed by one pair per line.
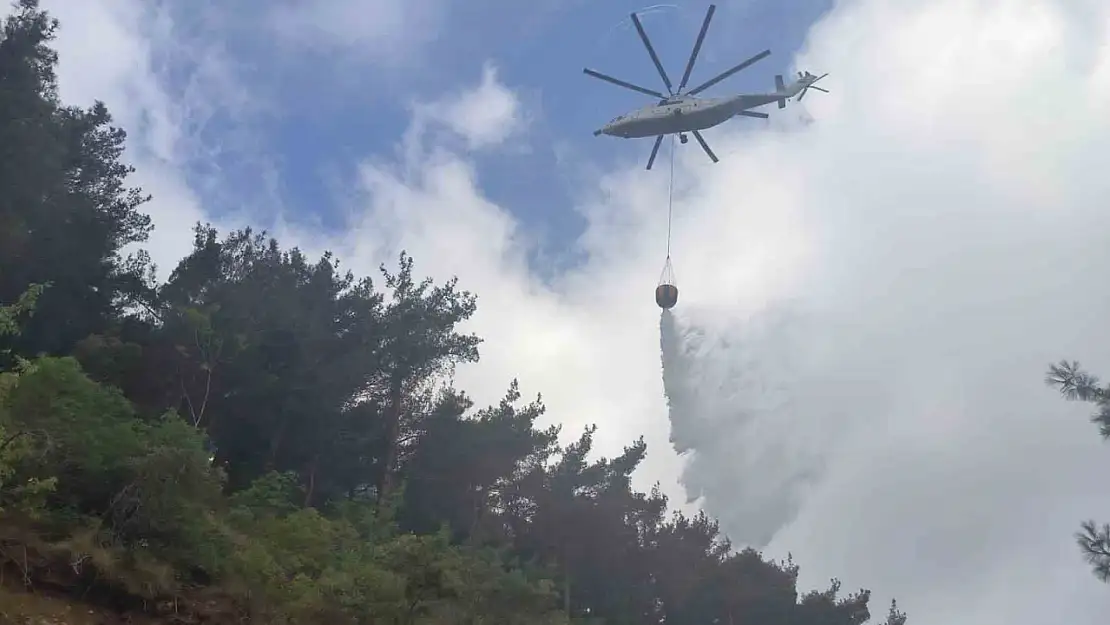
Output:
x,y
607,129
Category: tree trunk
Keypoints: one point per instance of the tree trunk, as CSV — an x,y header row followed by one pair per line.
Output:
x,y
393,435
475,513
566,593
311,488
277,439
566,582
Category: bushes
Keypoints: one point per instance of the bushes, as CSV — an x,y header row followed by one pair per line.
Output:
x,y
102,499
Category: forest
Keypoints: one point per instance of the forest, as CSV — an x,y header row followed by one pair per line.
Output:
x,y
263,437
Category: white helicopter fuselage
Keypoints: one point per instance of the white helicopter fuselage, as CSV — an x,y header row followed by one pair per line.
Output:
x,y
685,115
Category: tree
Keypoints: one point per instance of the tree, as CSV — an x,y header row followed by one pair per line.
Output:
x,y
66,212
420,343
270,353
1075,384
461,466
895,616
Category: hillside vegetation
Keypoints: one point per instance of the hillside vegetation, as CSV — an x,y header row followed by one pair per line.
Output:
x,y
266,438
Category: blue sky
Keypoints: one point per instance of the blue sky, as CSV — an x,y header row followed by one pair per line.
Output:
x,y
321,113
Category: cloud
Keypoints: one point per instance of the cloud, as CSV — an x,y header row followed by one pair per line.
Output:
x,y
934,244
388,32
121,73
187,113
484,116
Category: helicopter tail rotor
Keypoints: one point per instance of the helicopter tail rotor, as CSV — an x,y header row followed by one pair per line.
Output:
x,y
809,80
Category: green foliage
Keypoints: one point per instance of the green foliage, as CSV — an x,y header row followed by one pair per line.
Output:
x,y
84,434
266,438
66,211
20,495
301,565
25,305
1075,384
108,480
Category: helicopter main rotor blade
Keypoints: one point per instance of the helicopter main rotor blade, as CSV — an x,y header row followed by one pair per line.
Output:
x,y
704,145
720,77
812,85
754,114
803,93
654,150
651,51
697,47
621,83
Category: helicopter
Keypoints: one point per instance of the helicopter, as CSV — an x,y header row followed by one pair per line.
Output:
x,y
680,112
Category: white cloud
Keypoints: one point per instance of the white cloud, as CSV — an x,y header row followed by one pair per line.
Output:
x,y
948,210
109,50
484,116
103,56
165,88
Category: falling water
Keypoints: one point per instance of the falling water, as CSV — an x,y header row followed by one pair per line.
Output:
x,y
734,396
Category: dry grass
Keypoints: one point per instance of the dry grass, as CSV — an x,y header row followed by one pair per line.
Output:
x,y
18,607
23,608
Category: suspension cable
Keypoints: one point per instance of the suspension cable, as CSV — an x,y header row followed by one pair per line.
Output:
x,y
670,201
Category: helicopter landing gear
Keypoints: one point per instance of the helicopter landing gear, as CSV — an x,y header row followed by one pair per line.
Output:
x,y
682,138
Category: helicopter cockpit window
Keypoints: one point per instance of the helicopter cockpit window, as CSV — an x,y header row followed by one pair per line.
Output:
x,y
617,119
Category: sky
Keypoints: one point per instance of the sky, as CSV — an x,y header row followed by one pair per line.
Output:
x,y
872,282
